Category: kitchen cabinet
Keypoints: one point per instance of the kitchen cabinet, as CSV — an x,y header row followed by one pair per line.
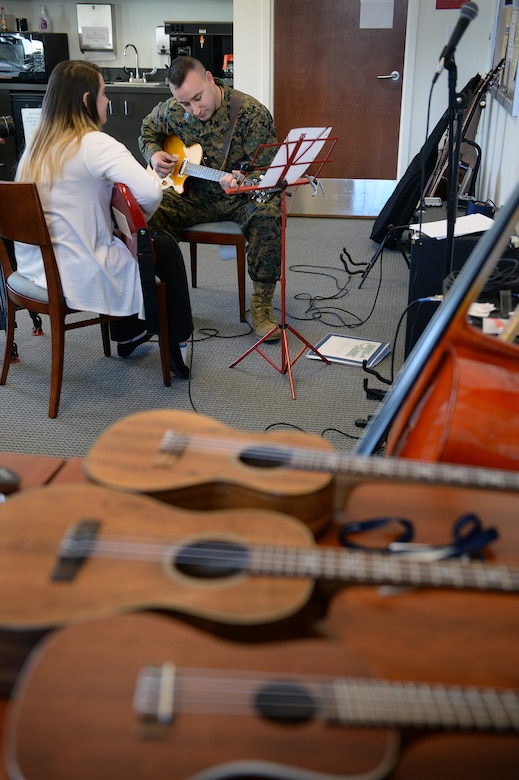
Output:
x,y
127,108
7,150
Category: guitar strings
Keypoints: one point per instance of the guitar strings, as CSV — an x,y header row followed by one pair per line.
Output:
x,y
333,461
303,563
346,701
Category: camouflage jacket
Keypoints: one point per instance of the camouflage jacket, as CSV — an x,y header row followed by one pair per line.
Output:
x,y
254,126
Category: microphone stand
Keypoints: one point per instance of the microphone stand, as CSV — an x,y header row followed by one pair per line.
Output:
x,y
457,105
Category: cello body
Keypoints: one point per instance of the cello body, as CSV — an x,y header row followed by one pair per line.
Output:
x,y
456,398
465,408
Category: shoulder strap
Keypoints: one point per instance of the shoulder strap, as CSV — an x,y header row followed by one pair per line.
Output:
x,y
236,98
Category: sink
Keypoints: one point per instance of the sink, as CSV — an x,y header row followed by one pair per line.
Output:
x,y
134,83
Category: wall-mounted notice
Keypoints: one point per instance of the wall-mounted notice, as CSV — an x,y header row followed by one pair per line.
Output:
x,y
376,14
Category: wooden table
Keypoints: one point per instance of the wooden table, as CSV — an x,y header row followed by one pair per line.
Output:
x,y
437,636
33,470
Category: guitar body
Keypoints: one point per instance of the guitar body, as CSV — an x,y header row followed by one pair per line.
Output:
x,y
72,717
127,456
34,523
193,154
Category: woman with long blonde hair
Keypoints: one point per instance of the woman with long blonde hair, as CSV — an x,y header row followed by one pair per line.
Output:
x,y
75,166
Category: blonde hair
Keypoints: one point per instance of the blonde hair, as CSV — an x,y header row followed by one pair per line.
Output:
x,y
64,120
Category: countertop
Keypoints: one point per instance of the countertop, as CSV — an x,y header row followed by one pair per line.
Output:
x,y
125,86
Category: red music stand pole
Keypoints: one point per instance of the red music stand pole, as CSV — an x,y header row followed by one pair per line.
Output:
x,y
286,361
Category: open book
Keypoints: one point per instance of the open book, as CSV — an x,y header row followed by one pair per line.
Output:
x,y
350,351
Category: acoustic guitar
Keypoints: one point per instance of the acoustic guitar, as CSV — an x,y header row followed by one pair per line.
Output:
x,y
140,696
196,462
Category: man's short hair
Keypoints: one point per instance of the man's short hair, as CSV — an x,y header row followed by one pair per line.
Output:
x,y
180,67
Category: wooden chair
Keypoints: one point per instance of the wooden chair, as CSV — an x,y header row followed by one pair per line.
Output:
x,y
222,234
22,219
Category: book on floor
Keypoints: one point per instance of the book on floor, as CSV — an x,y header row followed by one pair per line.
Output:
x,y
350,351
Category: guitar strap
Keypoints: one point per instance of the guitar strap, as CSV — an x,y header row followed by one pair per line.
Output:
x,y
236,98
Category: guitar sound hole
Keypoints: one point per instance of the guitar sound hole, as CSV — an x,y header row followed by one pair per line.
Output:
x,y
285,702
211,559
265,457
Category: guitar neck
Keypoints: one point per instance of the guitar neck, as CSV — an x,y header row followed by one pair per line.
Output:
x,y
365,568
201,171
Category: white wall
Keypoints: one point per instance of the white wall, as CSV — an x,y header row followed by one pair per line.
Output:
x,y
498,134
427,31
135,22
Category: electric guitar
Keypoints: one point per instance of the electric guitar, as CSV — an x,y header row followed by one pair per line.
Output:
x,y
140,696
188,164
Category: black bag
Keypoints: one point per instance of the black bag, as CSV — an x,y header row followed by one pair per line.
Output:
x,y
401,205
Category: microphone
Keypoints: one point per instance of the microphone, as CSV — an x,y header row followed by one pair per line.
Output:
x,y
468,12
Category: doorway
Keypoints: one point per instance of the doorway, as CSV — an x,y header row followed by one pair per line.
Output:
x,y
326,72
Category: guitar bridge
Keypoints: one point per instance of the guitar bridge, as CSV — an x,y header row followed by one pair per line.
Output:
x,y
75,549
153,700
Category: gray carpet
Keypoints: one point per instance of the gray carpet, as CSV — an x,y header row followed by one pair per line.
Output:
x,y
321,297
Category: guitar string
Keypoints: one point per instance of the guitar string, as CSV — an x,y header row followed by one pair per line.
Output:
x,y
336,462
344,700
305,563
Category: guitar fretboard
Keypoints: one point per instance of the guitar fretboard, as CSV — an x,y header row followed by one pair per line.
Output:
x,y
382,569
201,171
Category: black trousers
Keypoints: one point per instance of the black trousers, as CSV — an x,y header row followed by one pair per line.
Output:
x,y
170,268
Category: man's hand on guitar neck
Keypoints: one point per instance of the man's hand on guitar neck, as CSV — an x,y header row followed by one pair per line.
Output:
x,y
163,163
232,181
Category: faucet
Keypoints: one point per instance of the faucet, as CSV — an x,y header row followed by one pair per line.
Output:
x,y
137,75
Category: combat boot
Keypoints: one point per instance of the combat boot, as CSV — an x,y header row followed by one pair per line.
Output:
x,y
262,314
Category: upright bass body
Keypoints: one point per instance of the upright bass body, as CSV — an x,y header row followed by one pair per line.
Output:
x,y
456,398
465,407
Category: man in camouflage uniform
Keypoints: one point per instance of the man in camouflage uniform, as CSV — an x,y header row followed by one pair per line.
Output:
x,y
199,113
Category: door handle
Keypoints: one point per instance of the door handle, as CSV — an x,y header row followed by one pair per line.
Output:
x,y
394,76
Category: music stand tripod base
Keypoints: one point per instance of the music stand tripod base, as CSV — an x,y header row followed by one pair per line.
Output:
x,y
293,157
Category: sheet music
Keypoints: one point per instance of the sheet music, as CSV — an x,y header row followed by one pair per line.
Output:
x,y
30,118
471,223
314,140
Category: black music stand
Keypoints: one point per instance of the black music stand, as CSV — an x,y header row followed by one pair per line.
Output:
x,y
293,158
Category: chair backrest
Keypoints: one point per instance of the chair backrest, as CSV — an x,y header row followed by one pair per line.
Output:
x,y
22,219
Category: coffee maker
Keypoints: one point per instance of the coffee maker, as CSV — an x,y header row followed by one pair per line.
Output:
x,y
211,43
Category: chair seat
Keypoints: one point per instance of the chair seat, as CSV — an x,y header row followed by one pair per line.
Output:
x,y
225,234
20,284
231,228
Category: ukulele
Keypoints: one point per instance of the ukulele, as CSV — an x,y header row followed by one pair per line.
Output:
x,y
140,696
193,461
99,551
188,164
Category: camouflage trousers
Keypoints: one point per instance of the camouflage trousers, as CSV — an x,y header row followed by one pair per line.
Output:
x,y
259,222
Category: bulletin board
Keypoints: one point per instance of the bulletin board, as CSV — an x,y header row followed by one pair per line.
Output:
x,y
506,46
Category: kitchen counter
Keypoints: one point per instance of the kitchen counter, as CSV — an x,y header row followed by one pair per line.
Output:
x,y
112,86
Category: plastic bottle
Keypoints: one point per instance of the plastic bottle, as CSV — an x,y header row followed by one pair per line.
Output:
x,y
43,20
3,19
